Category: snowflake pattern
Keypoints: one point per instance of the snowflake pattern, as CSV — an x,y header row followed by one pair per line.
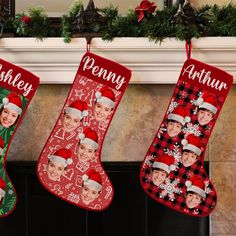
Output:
x,y
172,106
170,189
161,130
207,187
192,129
148,161
195,111
194,101
176,153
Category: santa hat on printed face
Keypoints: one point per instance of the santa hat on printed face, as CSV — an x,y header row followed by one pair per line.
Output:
x,y
164,162
192,143
179,114
2,187
93,178
196,185
78,109
106,96
89,137
62,156
207,101
1,146
13,102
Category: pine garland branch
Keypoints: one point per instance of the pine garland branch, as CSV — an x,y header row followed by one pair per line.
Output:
x,y
106,22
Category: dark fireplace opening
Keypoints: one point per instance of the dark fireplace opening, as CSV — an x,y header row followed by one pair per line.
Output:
x,y
132,212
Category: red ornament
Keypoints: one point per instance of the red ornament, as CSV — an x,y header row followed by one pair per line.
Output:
x,y
144,6
26,19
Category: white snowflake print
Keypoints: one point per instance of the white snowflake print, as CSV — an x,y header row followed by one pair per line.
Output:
x,y
192,129
161,130
176,153
148,161
73,197
194,101
172,106
207,188
170,188
195,111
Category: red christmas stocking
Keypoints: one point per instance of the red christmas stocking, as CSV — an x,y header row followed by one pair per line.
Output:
x,y
172,172
69,166
17,87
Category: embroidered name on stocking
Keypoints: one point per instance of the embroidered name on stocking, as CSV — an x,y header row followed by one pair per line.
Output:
x,y
172,172
69,165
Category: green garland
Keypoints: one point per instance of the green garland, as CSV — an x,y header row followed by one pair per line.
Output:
x,y
194,23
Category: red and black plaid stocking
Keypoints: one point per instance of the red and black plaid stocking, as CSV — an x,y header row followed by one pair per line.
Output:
x,y
172,172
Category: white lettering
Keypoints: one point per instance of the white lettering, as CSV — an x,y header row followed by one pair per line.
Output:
x,y
204,77
89,64
7,77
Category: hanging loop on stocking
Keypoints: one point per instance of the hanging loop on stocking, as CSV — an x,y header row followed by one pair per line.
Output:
x,y
188,48
88,38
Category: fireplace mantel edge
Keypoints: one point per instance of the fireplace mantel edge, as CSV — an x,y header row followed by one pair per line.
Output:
x,y
56,62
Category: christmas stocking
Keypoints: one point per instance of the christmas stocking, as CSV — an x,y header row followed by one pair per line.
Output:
x,y
172,172
17,87
69,166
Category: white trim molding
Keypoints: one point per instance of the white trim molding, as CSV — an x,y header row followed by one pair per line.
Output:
x,y
56,62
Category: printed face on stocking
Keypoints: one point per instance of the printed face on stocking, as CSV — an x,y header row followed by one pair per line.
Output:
x,y
8,117
173,128
54,170
98,86
89,194
85,152
17,88
158,176
193,200
188,158
204,116
102,111
70,122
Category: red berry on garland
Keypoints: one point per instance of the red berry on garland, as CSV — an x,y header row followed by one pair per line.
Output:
x,y
144,6
26,19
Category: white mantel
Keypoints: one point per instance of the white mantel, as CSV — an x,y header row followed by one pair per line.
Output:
x,y
56,62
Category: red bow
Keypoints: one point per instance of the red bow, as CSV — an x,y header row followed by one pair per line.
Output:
x,y
26,19
144,6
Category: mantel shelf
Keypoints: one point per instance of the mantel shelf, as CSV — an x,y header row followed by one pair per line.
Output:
x,y
56,62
